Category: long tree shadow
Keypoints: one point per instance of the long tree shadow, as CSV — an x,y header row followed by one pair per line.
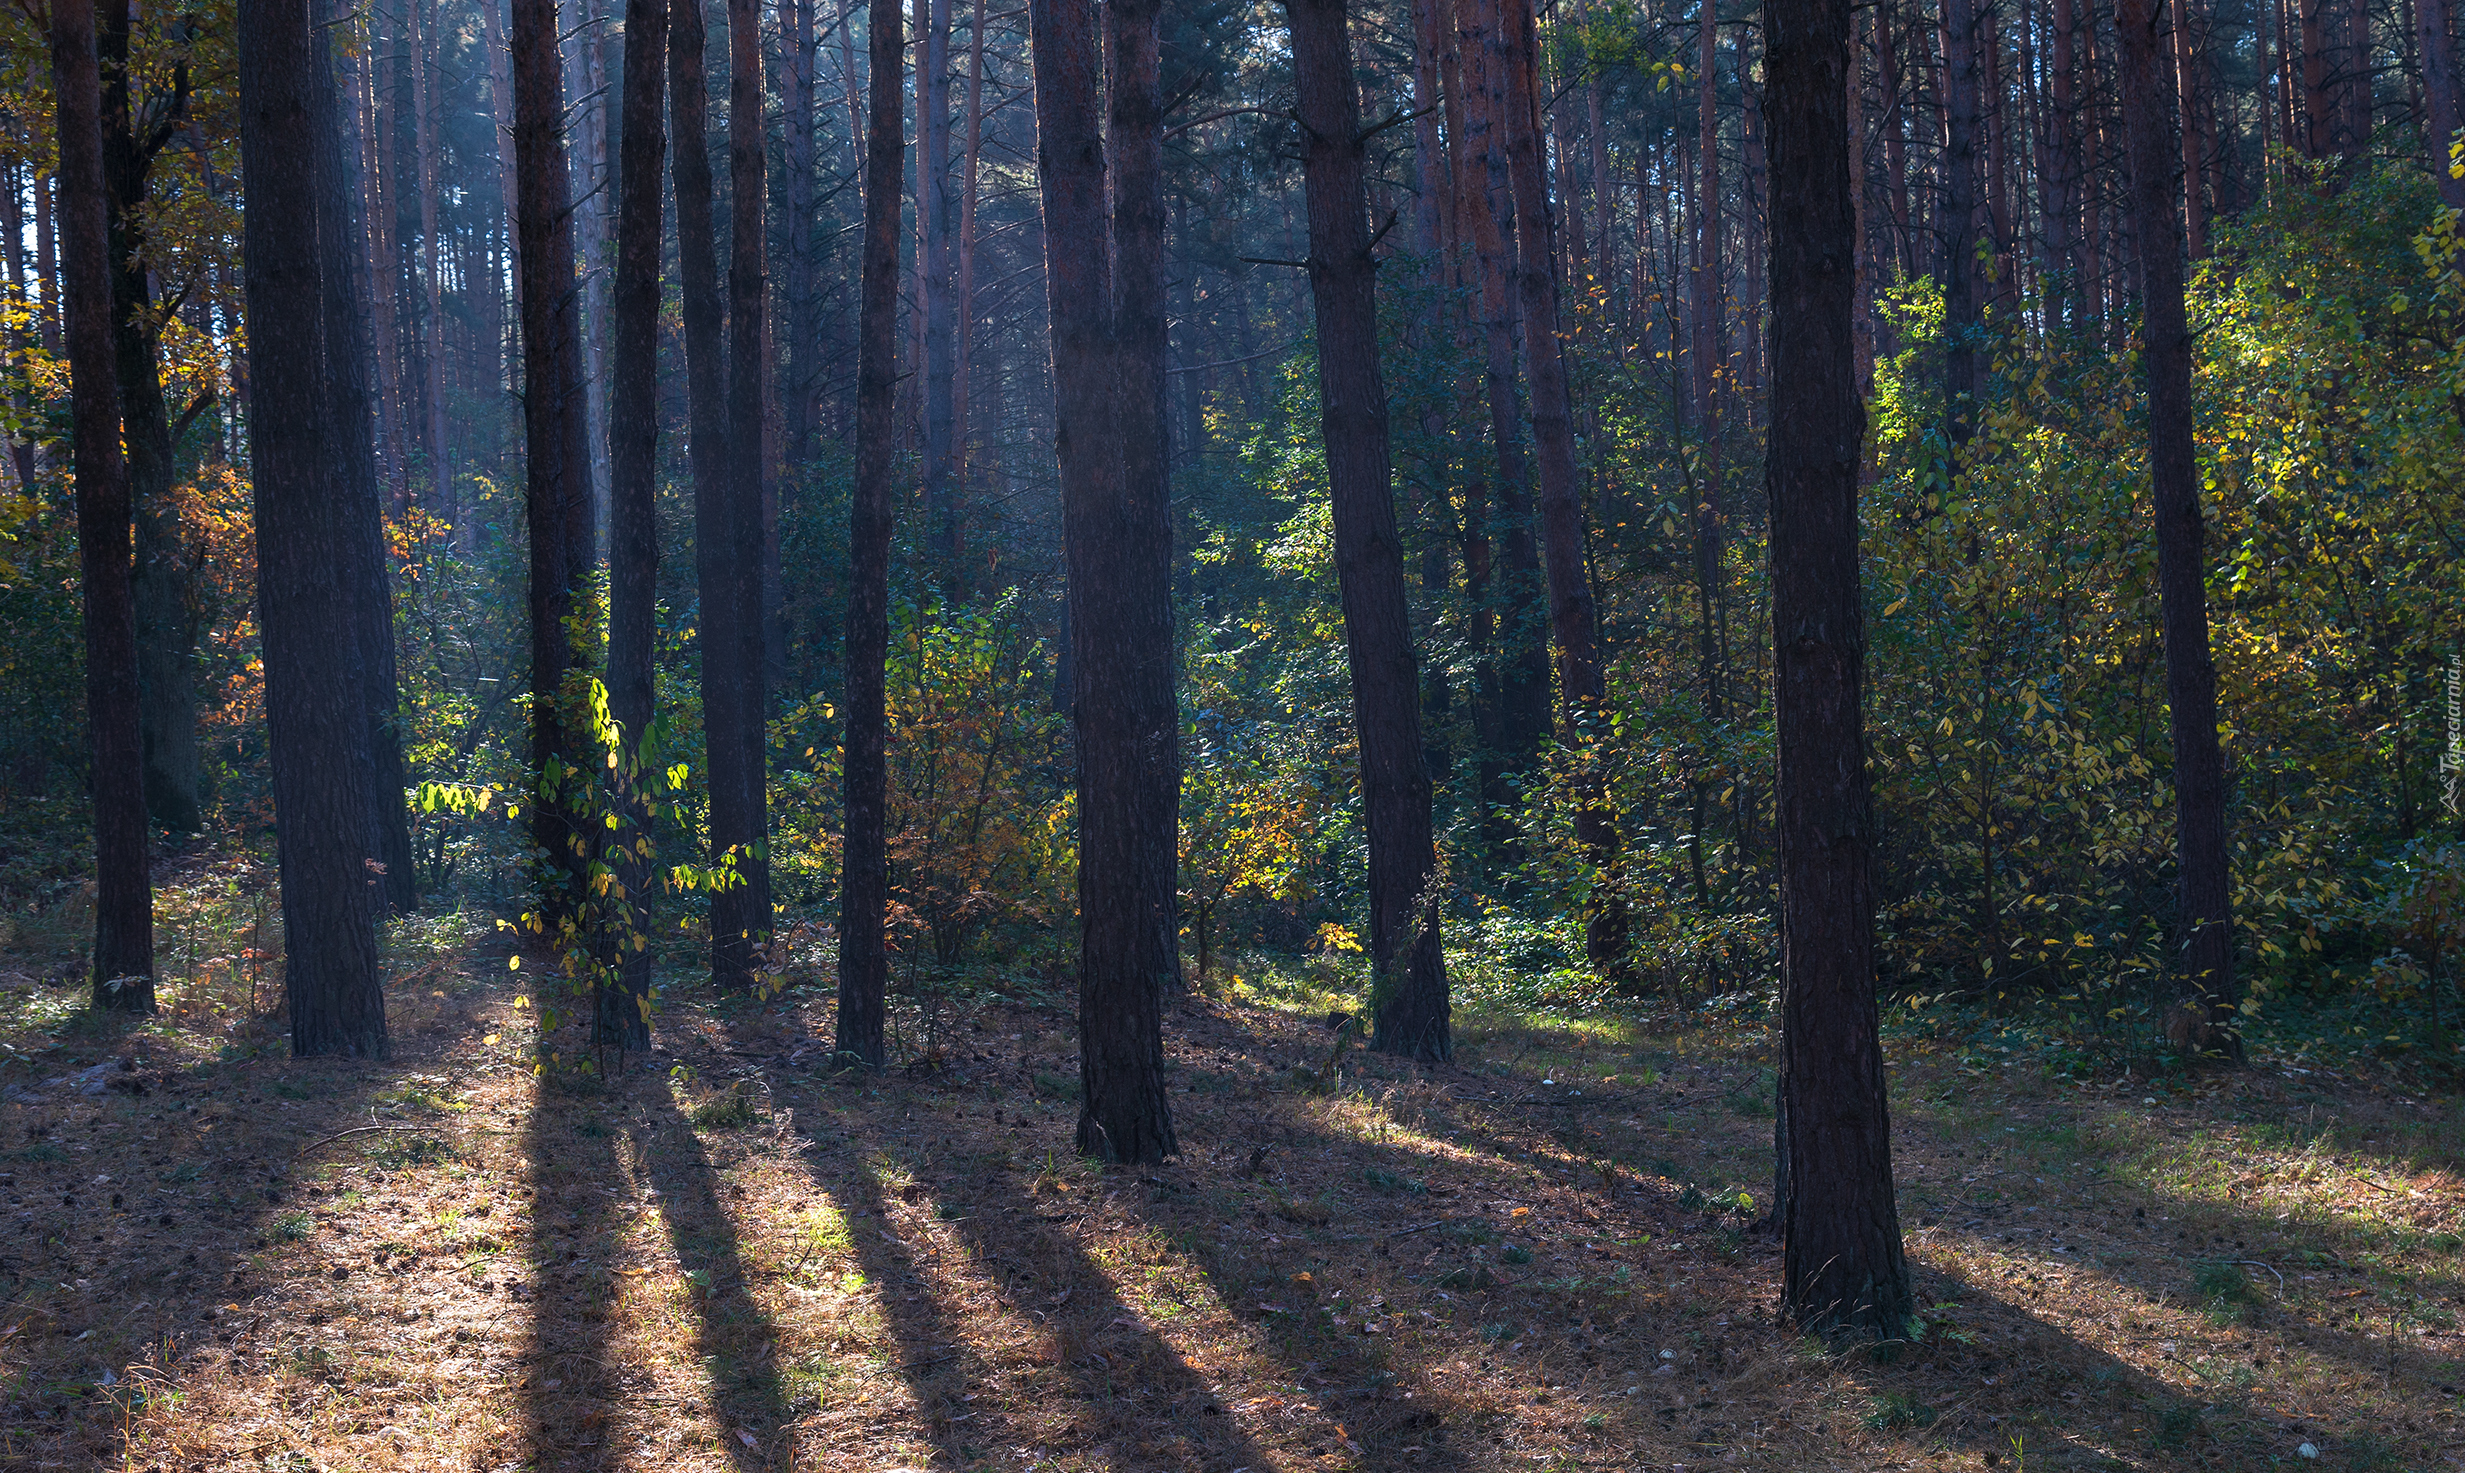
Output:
x,y
937,1356
575,1243
734,1338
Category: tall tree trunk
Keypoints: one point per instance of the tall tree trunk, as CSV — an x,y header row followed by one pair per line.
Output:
x,y
47,265
1117,547
1520,695
621,1009
165,576
432,327
558,493
2182,590
1127,723
2319,111
342,245
2189,88
933,276
316,716
962,373
796,268
1408,993
864,869
1895,135
707,443
385,286
2439,97
1582,692
740,915
123,974
2061,171
1958,226
1843,1269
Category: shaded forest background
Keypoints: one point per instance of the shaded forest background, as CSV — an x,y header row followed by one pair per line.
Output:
x,y
2015,685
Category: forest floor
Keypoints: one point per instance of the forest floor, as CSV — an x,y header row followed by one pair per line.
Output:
x,y
1540,1256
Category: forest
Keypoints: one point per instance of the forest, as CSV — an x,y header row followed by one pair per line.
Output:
x,y
1165,734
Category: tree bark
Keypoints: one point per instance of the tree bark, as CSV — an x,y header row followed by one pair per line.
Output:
x,y
2182,590
740,915
1958,226
864,874
316,716
933,277
621,1009
1843,1270
1518,695
557,489
342,243
1408,992
432,326
1117,546
123,973
2439,97
165,576
2061,172
1573,624
796,287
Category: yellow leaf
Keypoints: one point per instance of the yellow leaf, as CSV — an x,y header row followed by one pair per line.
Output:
x,y
522,1002
513,964
489,1040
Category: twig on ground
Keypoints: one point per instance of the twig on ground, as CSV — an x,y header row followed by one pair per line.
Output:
x,y
361,1130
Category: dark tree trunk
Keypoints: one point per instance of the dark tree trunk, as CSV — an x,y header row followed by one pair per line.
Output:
x,y
934,320
1517,698
2439,96
1408,993
343,260
1120,614
165,573
697,266
124,896
1572,623
1843,1268
1958,227
1148,662
740,915
2059,167
315,709
557,449
622,1008
2182,590
864,872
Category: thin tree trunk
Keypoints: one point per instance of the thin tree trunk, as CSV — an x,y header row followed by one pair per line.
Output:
x,y
2195,144
621,1008
2061,171
432,334
1408,992
740,915
2319,110
1116,543
1521,695
933,276
1895,137
47,265
714,550
2190,674
2439,97
962,373
1582,692
796,286
1958,226
165,575
123,975
316,716
385,286
558,494
342,244
1843,1269
864,872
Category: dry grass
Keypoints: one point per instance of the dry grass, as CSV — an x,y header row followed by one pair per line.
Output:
x,y
1538,1257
